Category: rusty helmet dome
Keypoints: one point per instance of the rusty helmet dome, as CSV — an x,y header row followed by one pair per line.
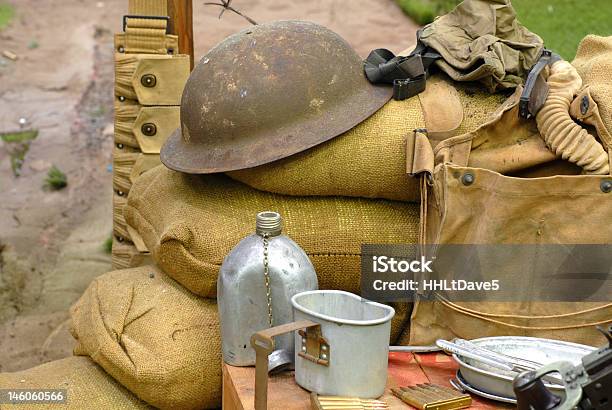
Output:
x,y
268,92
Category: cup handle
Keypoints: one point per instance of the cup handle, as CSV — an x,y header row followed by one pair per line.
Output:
x,y
263,343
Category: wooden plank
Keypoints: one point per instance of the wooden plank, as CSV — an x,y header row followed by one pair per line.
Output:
x,y
229,399
405,369
283,392
181,24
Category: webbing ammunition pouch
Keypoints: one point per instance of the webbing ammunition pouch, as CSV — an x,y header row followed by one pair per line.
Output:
x,y
149,79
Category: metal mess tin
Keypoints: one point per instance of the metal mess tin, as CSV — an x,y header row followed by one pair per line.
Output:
x,y
496,382
341,345
357,334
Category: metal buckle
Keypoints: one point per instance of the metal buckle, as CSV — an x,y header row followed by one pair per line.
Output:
x,y
135,16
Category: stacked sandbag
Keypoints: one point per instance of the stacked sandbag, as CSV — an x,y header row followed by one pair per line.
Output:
x,y
370,160
87,385
191,222
153,336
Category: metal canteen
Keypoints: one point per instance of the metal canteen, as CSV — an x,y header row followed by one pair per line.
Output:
x,y
242,291
341,344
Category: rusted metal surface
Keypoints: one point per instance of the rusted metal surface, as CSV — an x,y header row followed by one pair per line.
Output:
x,y
268,92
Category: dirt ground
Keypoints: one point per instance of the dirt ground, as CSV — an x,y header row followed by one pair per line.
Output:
x,y
51,243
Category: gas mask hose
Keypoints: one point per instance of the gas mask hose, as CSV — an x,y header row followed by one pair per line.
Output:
x,y
561,133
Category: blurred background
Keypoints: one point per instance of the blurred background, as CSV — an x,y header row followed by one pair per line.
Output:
x,y
561,23
56,132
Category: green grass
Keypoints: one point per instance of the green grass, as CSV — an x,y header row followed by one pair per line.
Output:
x,y
561,23
7,12
424,11
18,144
19,136
107,246
56,179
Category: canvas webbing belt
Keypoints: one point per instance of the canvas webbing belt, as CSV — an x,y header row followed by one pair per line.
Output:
x,y
150,75
146,29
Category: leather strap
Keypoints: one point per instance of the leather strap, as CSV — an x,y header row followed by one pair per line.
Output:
x,y
419,154
419,164
442,109
408,74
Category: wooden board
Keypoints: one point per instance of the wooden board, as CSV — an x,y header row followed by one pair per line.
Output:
x,y
284,394
181,24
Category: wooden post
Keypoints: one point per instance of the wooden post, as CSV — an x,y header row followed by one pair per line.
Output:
x,y
181,24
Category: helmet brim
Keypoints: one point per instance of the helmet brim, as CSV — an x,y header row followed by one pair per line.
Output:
x,y
180,155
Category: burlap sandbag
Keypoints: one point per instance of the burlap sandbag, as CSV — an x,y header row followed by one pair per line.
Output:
x,y
369,160
191,222
87,385
494,208
152,335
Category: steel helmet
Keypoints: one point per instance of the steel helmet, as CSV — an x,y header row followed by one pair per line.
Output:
x,y
268,92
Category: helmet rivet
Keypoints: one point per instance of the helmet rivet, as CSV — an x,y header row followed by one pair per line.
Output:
x,y
149,129
148,80
467,179
606,186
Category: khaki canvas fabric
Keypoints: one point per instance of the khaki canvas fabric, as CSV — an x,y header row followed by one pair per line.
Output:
x,y
370,160
153,336
481,40
171,73
498,209
88,385
594,64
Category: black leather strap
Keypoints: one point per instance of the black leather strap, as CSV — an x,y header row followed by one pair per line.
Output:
x,y
408,74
